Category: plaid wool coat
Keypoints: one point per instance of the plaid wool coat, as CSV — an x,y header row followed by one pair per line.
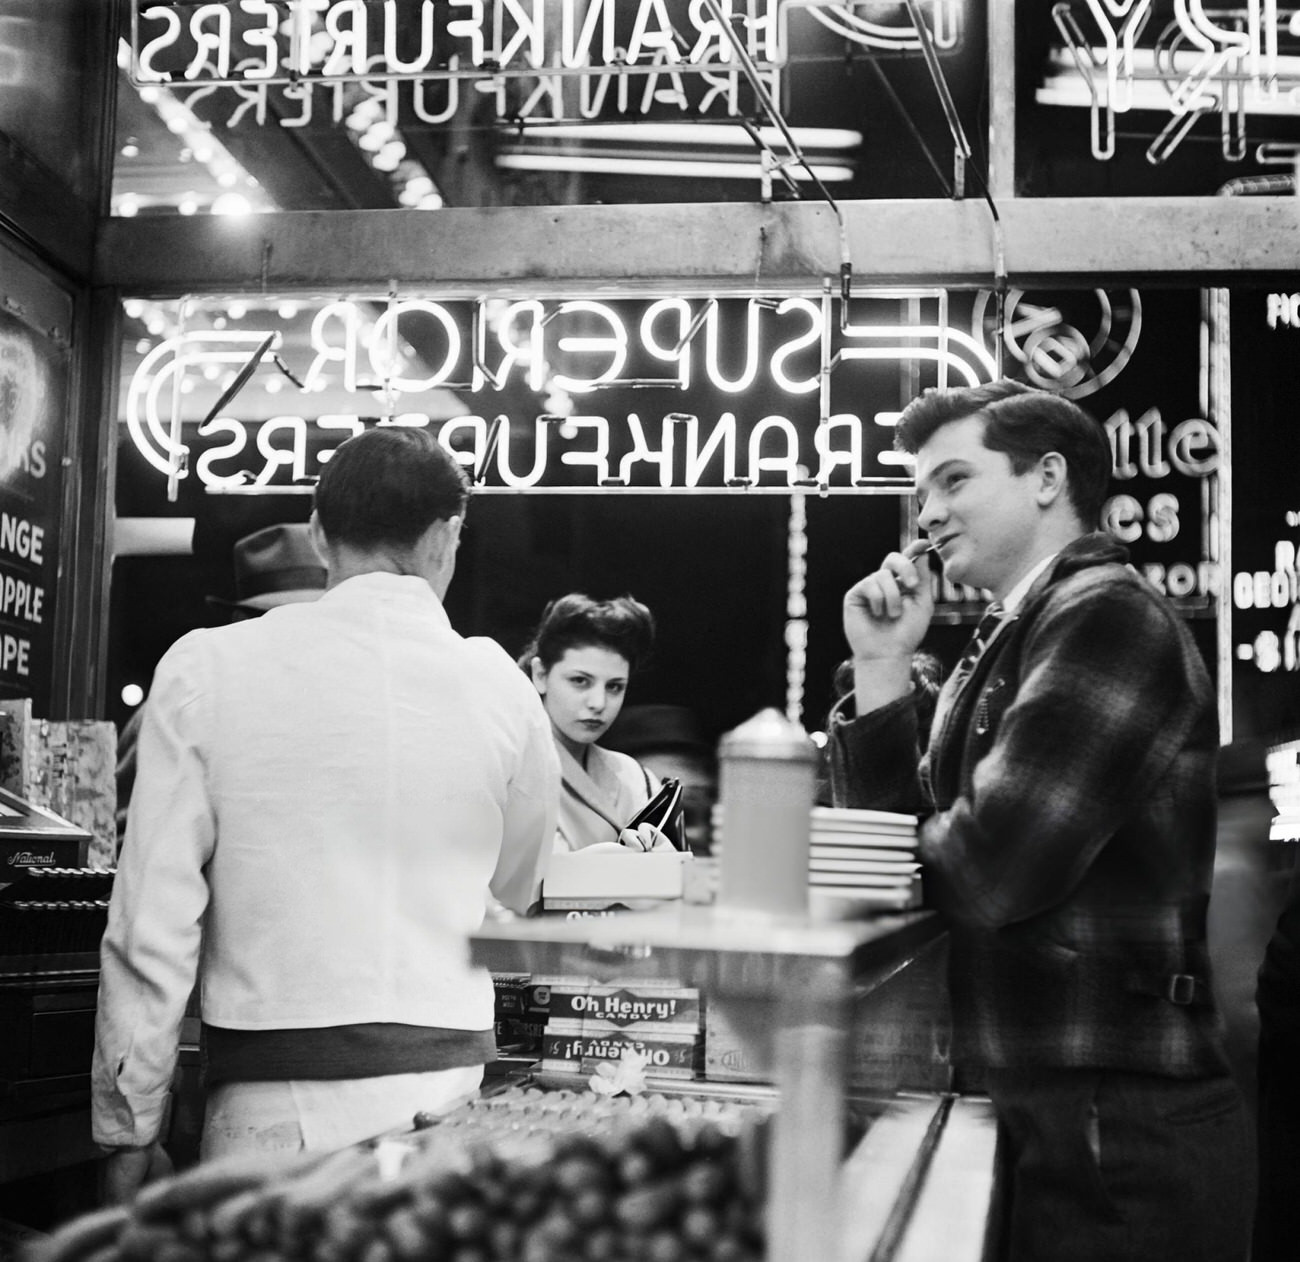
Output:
x,y
1068,803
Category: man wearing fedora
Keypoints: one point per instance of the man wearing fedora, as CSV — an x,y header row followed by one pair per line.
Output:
x,y
327,797
277,565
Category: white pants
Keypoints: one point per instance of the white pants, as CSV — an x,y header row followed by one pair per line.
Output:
x,y
321,1115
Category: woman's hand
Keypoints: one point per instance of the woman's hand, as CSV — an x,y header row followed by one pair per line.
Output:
x,y
646,838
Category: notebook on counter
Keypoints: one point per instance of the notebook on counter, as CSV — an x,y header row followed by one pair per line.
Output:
x,y
593,879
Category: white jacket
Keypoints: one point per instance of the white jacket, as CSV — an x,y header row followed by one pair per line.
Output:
x,y
325,796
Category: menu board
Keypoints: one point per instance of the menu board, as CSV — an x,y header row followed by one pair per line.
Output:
x,y
33,394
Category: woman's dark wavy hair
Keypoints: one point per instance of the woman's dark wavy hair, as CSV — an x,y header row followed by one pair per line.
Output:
x,y
623,625
1025,424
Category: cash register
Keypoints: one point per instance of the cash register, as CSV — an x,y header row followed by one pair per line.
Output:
x,y
53,909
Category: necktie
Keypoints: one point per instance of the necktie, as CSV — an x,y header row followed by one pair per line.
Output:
x,y
984,629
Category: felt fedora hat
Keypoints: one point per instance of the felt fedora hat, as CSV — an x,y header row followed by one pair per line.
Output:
x,y
276,565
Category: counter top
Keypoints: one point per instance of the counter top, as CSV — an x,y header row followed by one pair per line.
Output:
x,y
728,952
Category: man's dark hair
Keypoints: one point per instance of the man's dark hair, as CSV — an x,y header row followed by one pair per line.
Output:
x,y
388,486
1025,424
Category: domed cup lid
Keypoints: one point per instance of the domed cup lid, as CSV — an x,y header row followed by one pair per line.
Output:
x,y
769,734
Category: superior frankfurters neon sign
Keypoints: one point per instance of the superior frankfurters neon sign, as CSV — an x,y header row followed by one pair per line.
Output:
x,y
666,394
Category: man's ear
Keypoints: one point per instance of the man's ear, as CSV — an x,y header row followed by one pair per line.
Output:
x,y
444,537
316,533
1053,473
437,545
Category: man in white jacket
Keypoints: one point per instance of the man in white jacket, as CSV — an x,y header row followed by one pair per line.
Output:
x,y
327,797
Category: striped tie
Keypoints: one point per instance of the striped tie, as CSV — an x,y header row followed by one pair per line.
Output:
x,y
979,641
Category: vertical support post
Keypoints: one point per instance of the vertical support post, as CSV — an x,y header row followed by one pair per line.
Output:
x,y
796,607
1216,305
1002,99
807,1152
85,534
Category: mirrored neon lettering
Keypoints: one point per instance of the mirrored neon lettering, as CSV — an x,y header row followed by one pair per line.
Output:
x,y
344,317
785,459
345,22
832,455
171,20
722,437
643,453
210,31
749,349
238,440
292,456
614,345
597,459
811,337
677,350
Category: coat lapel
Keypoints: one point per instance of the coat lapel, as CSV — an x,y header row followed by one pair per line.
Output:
x,y
589,801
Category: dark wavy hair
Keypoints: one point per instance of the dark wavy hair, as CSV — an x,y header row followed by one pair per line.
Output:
x,y
1024,424
387,486
623,625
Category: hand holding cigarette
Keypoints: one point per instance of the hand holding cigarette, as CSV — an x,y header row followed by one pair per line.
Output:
x,y
887,613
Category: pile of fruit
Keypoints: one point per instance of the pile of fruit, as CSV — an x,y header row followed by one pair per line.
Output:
x,y
527,1176
532,1110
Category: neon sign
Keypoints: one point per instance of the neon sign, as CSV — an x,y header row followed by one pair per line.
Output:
x,y
631,56
766,356
712,453
338,40
627,396
1275,589
1225,61
1283,311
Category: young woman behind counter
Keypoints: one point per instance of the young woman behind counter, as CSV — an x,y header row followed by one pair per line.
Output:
x,y
580,659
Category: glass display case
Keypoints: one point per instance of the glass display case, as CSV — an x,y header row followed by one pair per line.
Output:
x,y
919,1183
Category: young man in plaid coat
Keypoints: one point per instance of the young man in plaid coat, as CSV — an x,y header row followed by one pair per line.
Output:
x,y
1067,787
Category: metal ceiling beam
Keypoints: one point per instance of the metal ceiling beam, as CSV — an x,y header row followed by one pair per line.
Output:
x,y
703,248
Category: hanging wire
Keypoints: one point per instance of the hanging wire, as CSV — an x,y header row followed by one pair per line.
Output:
x,y
955,128
768,105
931,56
915,132
479,474
241,377
778,121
